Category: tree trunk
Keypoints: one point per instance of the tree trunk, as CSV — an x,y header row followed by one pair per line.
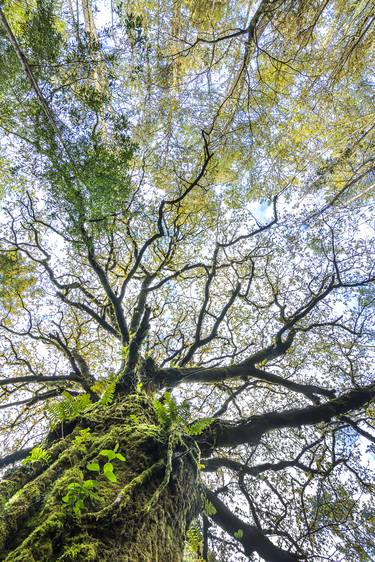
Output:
x,y
143,516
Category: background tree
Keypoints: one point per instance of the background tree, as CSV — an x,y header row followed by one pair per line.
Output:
x,y
186,281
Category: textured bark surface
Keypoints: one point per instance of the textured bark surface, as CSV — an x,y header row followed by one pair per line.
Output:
x,y
142,517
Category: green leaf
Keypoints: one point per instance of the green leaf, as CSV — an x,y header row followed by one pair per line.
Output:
x,y
77,509
108,453
120,457
209,508
89,484
37,454
238,534
199,426
108,472
111,477
93,466
67,409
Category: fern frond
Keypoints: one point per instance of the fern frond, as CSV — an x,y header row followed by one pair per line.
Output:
x,y
197,427
160,411
37,454
108,395
68,408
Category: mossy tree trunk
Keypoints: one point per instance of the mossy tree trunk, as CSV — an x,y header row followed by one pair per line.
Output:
x,y
143,516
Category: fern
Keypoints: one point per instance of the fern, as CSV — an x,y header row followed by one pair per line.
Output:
x,y
168,412
37,454
184,411
108,395
159,411
209,508
197,427
68,408
83,436
105,388
194,538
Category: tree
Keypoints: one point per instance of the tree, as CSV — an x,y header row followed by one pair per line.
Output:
x,y
186,281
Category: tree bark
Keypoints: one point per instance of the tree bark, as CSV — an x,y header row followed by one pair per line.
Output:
x,y
228,434
141,517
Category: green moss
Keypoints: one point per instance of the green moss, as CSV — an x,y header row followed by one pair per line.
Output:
x,y
140,515
39,542
58,490
44,550
7,489
24,556
80,551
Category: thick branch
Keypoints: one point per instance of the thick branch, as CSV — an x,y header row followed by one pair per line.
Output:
x,y
115,301
129,377
37,378
174,376
224,434
214,463
253,540
14,457
33,400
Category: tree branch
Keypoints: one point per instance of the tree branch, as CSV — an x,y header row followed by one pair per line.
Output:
x,y
174,376
225,434
14,457
253,540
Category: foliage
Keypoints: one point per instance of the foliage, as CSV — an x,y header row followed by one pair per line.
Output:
x,y
194,538
169,414
209,508
198,426
107,397
38,454
79,494
108,468
83,436
186,193
67,409
17,279
238,534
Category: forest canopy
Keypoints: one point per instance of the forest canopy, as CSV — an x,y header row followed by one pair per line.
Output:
x,y
187,280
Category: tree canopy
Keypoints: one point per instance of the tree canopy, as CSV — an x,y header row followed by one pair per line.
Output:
x,y
186,214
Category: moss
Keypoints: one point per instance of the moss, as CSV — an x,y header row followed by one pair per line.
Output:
x,y
24,503
58,490
24,556
39,542
7,489
83,550
44,551
143,516
16,509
